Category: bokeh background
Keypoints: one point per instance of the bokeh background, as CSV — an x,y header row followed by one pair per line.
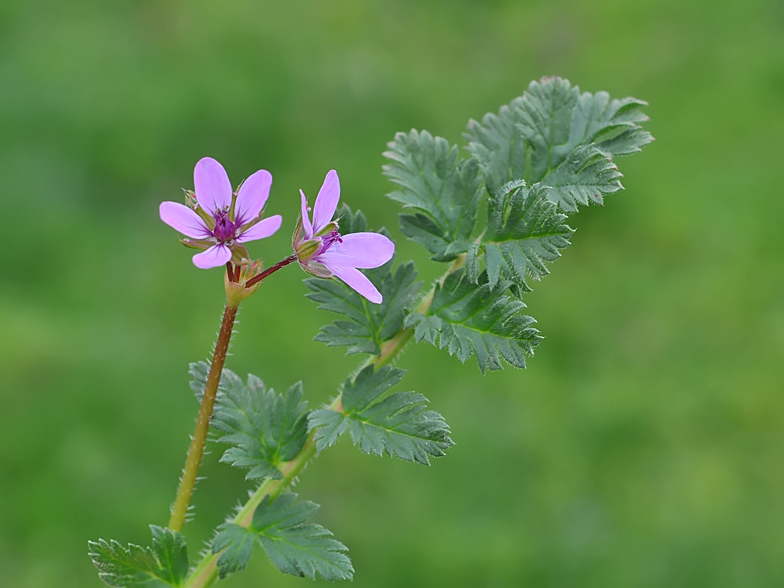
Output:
x,y
643,446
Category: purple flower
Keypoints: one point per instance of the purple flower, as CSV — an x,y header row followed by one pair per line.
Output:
x,y
218,221
323,252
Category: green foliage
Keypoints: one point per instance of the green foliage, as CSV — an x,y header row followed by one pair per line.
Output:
x,y
555,135
265,428
444,188
397,425
132,566
474,318
524,230
294,546
369,325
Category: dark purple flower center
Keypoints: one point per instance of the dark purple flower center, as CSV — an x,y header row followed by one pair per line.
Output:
x,y
224,229
328,240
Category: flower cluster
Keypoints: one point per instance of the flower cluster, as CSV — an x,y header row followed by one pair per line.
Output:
x,y
219,221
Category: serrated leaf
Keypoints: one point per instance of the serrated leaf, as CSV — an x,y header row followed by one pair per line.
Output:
x,y
265,428
369,325
236,544
444,188
524,231
294,546
133,566
559,137
329,424
400,426
474,319
397,425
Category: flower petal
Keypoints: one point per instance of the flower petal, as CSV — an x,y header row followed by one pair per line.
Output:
x,y
358,281
252,196
183,219
215,256
326,201
262,229
307,228
365,250
212,186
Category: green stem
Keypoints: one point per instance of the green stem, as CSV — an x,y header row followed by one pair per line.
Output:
x,y
196,450
206,572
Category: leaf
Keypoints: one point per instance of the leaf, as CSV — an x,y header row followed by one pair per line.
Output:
x,y
369,325
294,546
561,138
524,230
444,188
397,425
329,424
265,428
132,566
468,319
236,544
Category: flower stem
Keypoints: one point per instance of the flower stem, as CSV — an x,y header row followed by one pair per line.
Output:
x,y
206,572
271,270
196,450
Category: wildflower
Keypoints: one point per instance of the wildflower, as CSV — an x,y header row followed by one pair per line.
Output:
x,y
219,221
323,252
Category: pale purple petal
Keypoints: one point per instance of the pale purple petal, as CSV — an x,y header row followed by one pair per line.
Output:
x,y
358,281
326,201
212,186
184,220
262,229
365,250
215,256
307,228
252,196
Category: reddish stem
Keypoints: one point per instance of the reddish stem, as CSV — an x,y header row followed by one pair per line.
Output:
x,y
282,263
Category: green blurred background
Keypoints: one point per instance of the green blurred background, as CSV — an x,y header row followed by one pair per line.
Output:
x,y
643,446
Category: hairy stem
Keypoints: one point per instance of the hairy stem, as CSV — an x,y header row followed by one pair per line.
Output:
x,y
196,450
206,572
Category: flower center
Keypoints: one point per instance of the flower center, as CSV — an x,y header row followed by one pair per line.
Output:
x,y
328,240
224,229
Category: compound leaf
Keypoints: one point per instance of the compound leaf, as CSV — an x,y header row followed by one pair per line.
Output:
x,y
475,319
265,428
442,187
555,135
294,546
398,425
133,566
524,231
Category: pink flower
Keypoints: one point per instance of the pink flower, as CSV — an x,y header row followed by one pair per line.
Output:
x,y
323,252
218,221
